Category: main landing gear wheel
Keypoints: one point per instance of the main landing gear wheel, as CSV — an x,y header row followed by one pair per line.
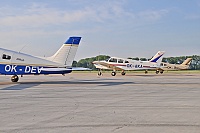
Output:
x,y
14,78
99,73
123,73
113,73
146,72
161,72
157,71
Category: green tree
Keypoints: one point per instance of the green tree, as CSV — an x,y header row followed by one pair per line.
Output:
x,y
87,62
74,64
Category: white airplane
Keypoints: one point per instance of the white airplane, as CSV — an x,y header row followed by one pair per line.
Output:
x,y
15,63
115,63
167,66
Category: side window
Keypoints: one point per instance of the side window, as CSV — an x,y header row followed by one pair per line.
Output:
x,y
126,61
7,57
113,60
120,61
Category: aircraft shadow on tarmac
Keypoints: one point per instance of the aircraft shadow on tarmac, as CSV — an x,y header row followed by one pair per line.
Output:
x,y
26,85
97,82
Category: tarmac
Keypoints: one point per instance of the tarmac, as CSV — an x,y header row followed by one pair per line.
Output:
x,y
87,103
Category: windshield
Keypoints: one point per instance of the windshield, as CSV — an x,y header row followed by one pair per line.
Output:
x,y
107,59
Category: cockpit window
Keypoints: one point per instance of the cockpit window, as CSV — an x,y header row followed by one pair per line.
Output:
x,y
113,60
120,61
7,57
107,60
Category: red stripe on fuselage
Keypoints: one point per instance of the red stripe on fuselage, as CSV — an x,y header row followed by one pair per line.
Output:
x,y
116,65
149,67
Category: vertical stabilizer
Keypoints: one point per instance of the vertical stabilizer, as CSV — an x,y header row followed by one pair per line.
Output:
x,y
187,61
65,55
158,57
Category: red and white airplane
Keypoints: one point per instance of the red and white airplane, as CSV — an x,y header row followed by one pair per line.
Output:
x,y
115,63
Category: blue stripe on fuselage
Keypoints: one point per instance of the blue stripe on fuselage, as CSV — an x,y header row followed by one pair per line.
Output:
x,y
23,70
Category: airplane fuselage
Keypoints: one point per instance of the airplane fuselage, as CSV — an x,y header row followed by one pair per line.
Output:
x,y
14,63
125,64
167,66
115,63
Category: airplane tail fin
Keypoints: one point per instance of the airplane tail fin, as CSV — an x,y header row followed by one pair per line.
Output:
x,y
65,55
158,57
187,61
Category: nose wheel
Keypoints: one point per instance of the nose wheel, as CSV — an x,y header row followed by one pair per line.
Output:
x,y
14,78
99,72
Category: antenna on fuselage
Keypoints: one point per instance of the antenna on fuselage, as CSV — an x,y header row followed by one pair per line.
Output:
x,y
98,56
22,48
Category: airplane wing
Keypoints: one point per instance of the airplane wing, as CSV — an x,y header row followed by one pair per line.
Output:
x,y
80,69
106,65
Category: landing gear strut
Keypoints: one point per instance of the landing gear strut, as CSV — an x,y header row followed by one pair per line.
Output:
x,y
99,72
14,78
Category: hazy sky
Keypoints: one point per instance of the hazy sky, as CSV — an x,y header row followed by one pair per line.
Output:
x,y
122,28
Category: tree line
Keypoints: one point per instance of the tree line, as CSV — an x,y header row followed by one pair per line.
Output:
x,y
87,62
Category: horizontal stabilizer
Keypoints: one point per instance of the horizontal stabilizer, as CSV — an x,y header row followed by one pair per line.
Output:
x,y
80,69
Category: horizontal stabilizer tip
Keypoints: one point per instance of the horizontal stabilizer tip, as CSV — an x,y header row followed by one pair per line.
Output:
x,y
73,40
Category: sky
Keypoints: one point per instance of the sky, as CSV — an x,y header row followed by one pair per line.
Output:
x,y
120,28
